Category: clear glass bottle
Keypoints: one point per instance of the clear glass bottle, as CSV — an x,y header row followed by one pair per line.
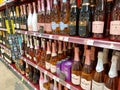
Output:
x,y
55,18
111,83
64,17
76,68
115,22
98,78
86,75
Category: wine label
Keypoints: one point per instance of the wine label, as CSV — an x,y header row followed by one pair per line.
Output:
x,y
115,28
105,88
63,26
75,79
96,85
54,25
86,85
53,68
47,65
98,27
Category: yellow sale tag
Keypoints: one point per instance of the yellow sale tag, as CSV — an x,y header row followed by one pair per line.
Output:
x,y
7,26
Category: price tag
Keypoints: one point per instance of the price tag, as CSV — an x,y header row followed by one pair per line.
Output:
x,y
45,72
90,42
111,45
68,86
25,32
36,66
50,36
60,38
34,34
22,79
66,39
40,35
57,79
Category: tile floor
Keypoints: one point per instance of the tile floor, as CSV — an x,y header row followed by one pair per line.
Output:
x,y
9,81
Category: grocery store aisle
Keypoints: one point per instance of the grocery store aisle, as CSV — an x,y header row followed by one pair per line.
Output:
x,y
9,81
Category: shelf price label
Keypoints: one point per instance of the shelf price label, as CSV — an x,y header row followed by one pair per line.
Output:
x,y
45,72
22,79
26,32
36,67
68,86
89,42
66,39
61,38
50,36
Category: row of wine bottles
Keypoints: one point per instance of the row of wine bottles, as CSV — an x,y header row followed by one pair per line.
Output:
x,y
94,18
76,63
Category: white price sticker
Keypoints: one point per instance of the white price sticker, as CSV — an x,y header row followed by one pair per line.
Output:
x,y
50,36
26,32
90,42
61,38
68,86
45,72
111,45
34,34
66,39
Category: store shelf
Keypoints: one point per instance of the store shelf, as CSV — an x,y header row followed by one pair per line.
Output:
x,y
103,43
69,85
3,46
12,66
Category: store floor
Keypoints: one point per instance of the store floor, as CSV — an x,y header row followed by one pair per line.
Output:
x,y
9,81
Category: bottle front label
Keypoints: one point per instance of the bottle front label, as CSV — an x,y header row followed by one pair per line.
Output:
x,y
47,65
105,88
96,85
63,26
53,68
86,85
115,28
75,79
98,27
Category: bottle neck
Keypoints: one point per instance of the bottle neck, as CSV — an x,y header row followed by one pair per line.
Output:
x,y
48,48
59,47
34,7
39,7
113,69
87,59
54,50
76,54
99,67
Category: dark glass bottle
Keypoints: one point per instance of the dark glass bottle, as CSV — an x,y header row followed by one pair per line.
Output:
x,y
98,25
73,18
85,19
92,7
25,27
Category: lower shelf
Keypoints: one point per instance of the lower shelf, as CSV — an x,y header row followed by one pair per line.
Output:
x,y
24,78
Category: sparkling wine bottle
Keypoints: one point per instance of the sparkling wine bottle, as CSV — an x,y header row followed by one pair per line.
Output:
x,y
115,22
34,18
76,68
111,82
85,19
98,79
98,25
86,75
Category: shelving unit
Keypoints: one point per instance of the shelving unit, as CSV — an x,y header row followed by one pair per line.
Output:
x,y
12,66
69,85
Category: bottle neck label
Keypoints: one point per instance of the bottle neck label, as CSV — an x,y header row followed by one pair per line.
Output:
x,y
115,27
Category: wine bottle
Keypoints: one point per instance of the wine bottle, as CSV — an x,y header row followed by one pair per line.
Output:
x,y
29,20
53,59
86,75
115,22
55,18
55,85
25,27
34,18
48,56
31,50
98,25
64,17
69,50
76,68
109,7
41,81
85,19
48,28
111,82
17,26
98,78
92,7
73,18
21,17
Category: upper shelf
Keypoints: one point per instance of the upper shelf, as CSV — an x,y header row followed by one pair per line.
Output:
x,y
103,43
